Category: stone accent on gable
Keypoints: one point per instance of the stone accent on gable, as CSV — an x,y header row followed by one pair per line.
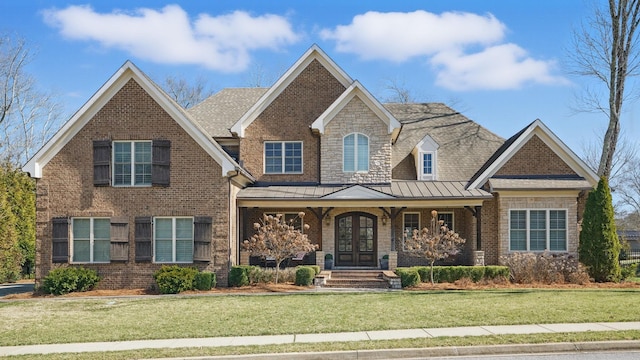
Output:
x,y
288,118
197,188
535,158
355,117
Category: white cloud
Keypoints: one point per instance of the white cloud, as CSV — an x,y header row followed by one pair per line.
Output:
x,y
168,36
466,50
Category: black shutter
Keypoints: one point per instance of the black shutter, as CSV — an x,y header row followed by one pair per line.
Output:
x,y
144,248
60,240
101,162
161,162
119,239
202,238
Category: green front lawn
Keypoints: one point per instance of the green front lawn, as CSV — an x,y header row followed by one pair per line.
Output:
x,y
45,321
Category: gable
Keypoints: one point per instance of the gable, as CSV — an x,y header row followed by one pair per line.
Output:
x,y
535,158
314,54
122,80
526,164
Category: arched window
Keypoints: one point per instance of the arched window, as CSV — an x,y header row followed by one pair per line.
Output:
x,y
355,153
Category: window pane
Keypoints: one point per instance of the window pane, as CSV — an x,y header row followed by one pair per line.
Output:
x,y
184,250
348,148
101,229
163,251
273,158
518,232
293,157
538,230
163,229
101,251
184,229
363,153
426,164
81,229
81,250
122,163
557,230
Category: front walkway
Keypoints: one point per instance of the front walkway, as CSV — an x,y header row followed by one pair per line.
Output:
x,y
338,337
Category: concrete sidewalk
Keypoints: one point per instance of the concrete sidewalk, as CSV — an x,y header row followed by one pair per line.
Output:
x,y
331,337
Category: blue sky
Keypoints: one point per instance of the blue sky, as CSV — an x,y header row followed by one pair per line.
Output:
x,y
501,63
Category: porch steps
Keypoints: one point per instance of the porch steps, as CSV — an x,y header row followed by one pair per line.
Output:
x,y
360,279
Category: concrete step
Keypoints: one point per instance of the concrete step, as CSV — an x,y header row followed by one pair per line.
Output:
x,y
357,283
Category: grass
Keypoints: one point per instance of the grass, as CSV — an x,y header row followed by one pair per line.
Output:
x,y
344,346
49,321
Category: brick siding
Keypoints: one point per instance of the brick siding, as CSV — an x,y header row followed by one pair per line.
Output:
x,y
197,188
535,158
289,118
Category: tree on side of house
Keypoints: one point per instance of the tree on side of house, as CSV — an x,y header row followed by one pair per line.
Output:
x,y
10,255
599,246
434,243
277,239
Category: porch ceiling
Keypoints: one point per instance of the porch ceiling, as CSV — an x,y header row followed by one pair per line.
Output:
x,y
398,193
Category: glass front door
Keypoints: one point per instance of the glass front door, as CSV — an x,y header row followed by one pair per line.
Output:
x,y
356,239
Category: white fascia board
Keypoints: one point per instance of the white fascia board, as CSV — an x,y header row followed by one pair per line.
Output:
x,y
314,53
551,140
356,89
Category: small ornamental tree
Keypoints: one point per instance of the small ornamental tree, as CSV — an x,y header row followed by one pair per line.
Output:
x,y
599,246
278,239
434,243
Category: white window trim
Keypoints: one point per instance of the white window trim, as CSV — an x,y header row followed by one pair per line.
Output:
x,y
133,163
91,241
282,148
404,234
355,153
434,161
548,230
453,218
173,239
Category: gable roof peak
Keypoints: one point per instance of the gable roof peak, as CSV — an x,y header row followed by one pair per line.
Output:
x,y
313,53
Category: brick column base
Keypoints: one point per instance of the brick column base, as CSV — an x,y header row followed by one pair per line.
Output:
x,y
244,258
393,260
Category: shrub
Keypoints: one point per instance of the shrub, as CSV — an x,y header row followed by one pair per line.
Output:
x,y
175,279
409,277
451,274
204,280
629,270
304,275
316,269
69,279
239,275
546,268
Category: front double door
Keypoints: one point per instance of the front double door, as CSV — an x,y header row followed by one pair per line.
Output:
x,y
356,239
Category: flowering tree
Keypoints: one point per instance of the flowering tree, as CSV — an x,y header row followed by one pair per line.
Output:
x,y
434,243
278,239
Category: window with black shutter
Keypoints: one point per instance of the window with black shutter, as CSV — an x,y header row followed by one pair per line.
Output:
x,y
143,239
119,239
202,233
161,161
60,240
101,162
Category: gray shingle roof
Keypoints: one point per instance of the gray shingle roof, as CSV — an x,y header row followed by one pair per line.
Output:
x,y
464,145
219,112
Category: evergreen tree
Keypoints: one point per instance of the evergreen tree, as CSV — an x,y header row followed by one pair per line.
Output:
x,y
10,256
599,246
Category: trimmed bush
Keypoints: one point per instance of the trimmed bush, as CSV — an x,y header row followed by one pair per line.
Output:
x,y
304,275
204,280
496,272
409,277
69,279
451,274
175,279
316,269
239,275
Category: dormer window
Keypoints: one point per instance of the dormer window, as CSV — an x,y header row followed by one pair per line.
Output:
x,y
355,153
426,156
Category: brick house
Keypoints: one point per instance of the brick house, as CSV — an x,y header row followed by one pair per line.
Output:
x,y
133,181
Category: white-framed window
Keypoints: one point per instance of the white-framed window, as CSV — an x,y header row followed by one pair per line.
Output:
x,y
427,164
538,230
90,240
447,218
283,157
173,239
410,222
355,153
131,163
